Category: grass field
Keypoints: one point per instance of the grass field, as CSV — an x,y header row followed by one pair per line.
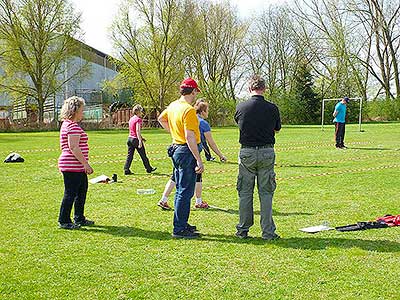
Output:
x,y
130,254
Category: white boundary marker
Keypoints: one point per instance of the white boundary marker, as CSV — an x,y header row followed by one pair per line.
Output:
x,y
337,99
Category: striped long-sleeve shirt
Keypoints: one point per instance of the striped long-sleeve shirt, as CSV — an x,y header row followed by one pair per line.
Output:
x,y
67,161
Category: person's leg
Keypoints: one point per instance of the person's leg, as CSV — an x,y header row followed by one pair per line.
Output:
x,y
145,160
343,133
245,188
185,176
206,149
167,190
266,186
129,156
79,205
198,192
337,134
71,187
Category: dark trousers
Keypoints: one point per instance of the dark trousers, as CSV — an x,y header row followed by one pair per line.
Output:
x,y
133,144
339,133
207,151
75,189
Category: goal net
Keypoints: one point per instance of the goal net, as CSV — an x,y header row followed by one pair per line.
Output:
x,y
324,107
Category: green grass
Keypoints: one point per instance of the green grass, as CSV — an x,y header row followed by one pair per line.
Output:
x,y
130,253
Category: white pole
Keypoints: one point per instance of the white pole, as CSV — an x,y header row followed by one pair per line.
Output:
x,y
322,114
360,115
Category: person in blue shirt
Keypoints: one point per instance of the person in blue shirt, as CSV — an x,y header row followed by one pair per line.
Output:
x,y
340,122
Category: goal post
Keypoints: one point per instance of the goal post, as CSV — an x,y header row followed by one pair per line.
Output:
x,y
338,99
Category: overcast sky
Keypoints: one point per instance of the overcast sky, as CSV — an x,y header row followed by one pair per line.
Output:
x,y
97,17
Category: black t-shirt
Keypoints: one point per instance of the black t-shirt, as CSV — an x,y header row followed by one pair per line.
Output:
x,y
257,119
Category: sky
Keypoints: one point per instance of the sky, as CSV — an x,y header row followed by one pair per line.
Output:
x,y
98,15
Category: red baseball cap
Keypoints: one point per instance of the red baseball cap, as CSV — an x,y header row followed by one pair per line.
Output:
x,y
189,83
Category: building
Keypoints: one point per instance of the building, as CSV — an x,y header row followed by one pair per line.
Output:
x,y
99,67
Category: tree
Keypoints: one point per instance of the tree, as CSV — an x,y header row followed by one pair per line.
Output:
x,y
37,39
303,92
380,20
148,35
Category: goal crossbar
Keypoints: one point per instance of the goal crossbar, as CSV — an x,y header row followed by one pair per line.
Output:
x,y
338,99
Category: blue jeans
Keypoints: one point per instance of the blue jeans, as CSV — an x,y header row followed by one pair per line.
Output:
x,y
185,176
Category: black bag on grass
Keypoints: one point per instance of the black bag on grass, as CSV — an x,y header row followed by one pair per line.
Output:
x,y
14,158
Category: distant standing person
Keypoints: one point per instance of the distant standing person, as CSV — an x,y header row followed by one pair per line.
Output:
x,y
74,164
136,141
258,121
340,122
180,119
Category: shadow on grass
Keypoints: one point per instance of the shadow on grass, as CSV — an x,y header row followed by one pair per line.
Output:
x,y
256,212
305,243
370,148
128,231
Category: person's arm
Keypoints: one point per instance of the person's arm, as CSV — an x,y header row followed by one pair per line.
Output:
x,y
213,145
192,144
335,113
139,134
163,120
278,124
73,144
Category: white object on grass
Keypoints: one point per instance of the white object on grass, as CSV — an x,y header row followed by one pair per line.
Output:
x,y
315,229
102,178
145,191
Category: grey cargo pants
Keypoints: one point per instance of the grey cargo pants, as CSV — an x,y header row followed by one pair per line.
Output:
x,y
256,163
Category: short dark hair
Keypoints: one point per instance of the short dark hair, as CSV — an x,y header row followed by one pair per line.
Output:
x,y
256,82
186,90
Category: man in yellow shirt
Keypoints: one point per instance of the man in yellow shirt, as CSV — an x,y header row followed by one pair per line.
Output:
x,y
181,121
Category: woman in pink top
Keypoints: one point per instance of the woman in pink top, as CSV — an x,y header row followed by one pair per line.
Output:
x,y
135,141
73,163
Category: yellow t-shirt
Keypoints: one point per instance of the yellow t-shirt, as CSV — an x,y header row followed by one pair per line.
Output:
x,y
181,115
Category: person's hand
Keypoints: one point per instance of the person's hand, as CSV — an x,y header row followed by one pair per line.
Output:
x,y
88,169
222,158
199,168
140,144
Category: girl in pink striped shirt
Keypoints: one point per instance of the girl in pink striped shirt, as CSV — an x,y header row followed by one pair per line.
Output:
x,y
74,165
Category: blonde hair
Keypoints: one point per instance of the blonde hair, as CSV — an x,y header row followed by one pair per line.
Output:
x,y
137,108
70,107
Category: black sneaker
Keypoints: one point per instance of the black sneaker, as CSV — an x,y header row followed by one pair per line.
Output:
x,y
128,172
191,228
242,235
69,226
271,238
186,234
85,222
151,170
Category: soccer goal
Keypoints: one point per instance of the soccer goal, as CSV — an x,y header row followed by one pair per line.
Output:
x,y
337,100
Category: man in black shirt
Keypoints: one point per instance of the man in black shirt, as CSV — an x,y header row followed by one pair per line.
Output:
x,y
258,121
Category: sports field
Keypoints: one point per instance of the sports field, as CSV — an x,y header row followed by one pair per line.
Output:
x,y
130,254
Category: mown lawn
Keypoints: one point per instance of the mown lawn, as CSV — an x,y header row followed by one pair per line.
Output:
x,y
130,254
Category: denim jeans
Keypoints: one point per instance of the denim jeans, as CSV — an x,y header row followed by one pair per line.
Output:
x,y
256,163
185,176
75,190
133,143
